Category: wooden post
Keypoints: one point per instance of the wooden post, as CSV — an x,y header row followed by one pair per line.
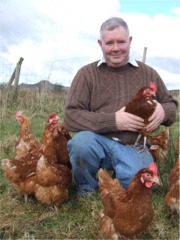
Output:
x,y
144,54
15,77
17,74
11,79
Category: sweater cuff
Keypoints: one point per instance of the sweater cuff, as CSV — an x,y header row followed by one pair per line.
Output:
x,y
108,122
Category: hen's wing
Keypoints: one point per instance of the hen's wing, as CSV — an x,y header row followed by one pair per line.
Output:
x,y
66,175
21,173
17,170
52,182
49,175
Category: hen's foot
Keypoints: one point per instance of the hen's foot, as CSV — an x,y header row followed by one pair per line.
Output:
x,y
143,149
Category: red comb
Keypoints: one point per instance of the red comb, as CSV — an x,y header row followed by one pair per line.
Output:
x,y
153,86
52,117
19,113
153,167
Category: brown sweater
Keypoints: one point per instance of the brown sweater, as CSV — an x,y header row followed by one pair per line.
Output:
x,y
96,93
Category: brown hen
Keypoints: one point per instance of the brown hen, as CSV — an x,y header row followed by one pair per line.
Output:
x,y
127,212
60,145
172,200
26,141
142,105
159,145
22,172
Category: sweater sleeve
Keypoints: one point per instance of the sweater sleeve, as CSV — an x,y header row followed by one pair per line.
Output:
x,y
78,115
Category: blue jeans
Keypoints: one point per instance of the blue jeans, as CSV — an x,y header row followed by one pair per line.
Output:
x,y
89,152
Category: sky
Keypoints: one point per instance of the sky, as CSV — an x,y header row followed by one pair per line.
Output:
x,y
57,37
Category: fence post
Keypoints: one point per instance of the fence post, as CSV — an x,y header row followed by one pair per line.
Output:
x,y
15,77
144,55
11,79
17,74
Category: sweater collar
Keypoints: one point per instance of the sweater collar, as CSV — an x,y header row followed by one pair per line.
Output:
x,y
132,61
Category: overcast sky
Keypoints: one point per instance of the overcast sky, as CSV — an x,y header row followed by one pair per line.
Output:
x,y
57,37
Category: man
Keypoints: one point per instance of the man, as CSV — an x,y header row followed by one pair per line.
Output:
x,y
95,109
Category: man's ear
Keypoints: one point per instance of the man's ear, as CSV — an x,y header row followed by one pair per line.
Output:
x,y
100,42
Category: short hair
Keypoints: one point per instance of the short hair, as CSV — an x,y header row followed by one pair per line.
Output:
x,y
112,23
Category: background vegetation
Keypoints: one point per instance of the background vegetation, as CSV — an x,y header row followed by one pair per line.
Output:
x,y
78,217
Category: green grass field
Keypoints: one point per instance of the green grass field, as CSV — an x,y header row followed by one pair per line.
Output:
x,y
78,217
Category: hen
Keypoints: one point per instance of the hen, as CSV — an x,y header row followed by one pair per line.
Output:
x,y
60,145
22,172
172,197
159,145
127,212
53,182
26,141
142,105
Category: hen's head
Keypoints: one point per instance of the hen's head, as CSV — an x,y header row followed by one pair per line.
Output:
x,y
19,114
53,122
151,90
53,117
19,117
149,176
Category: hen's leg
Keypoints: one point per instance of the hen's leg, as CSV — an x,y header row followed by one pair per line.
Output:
x,y
137,140
144,146
136,144
25,198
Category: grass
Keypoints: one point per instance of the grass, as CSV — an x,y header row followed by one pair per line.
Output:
x,y
78,217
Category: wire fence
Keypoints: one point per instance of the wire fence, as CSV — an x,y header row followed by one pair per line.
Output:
x,y
59,71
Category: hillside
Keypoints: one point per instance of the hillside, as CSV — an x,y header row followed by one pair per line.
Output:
x,y
43,85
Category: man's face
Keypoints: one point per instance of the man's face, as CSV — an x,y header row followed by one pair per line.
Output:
x,y
115,45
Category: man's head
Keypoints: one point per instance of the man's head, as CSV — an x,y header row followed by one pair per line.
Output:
x,y
115,42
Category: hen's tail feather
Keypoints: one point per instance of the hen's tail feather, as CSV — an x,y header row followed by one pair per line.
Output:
x,y
103,176
107,182
106,226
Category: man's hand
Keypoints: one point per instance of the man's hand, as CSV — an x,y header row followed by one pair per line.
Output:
x,y
128,121
156,118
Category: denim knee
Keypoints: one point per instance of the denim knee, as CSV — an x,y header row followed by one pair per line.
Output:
x,y
81,144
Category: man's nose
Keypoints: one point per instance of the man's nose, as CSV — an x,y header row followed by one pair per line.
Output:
x,y
115,46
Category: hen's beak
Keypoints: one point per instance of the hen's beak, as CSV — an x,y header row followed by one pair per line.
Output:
x,y
156,180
